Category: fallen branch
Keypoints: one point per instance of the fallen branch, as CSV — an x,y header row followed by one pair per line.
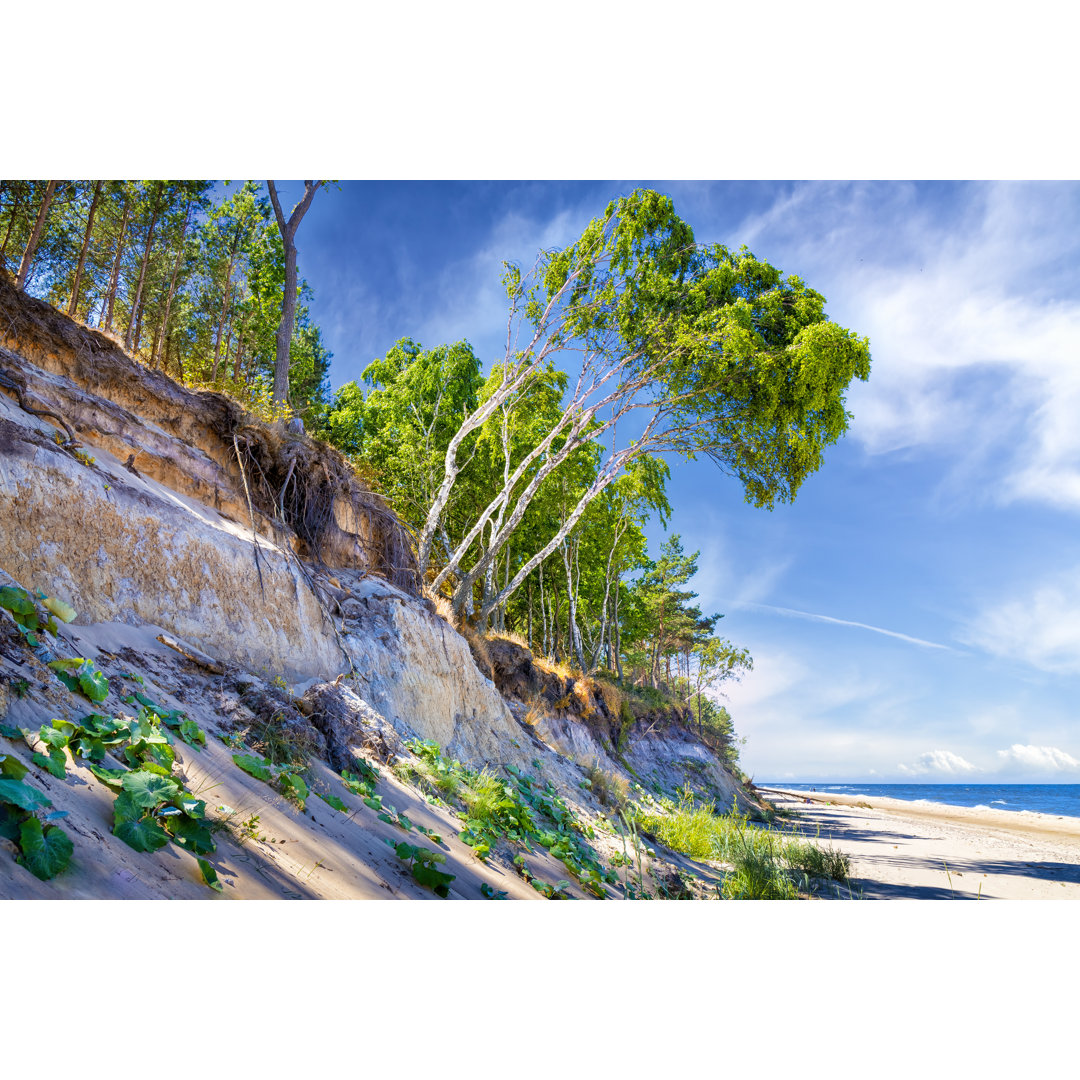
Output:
x,y
189,652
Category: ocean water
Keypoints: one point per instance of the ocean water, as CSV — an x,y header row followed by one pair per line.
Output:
x,y
1056,799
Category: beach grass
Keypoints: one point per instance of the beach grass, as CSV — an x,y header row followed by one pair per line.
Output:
x,y
765,865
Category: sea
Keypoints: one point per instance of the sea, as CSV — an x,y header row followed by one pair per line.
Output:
x,y
1058,799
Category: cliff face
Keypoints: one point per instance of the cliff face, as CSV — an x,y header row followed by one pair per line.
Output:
x,y
147,521
244,579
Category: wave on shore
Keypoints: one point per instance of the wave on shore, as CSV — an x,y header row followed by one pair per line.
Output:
x,y
1058,800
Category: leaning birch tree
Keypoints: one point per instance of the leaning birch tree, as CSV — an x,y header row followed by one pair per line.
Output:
x,y
670,346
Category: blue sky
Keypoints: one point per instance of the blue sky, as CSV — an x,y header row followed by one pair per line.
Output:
x,y
915,614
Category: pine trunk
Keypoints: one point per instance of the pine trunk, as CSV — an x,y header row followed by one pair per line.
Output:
x,y
74,305
172,285
35,236
136,307
116,264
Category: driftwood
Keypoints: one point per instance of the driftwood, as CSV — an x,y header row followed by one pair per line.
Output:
x,y
196,656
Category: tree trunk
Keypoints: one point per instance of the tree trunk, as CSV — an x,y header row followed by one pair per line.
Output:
x,y
221,321
73,306
16,199
116,263
35,236
172,285
288,302
136,307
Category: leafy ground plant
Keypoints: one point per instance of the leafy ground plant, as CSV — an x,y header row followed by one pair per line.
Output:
x,y
28,619
424,862
518,810
285,777
44,848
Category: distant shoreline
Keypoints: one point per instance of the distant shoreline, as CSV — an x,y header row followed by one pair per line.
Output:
x,y
1046,799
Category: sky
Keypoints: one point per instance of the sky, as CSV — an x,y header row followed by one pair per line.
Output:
x,y
914,615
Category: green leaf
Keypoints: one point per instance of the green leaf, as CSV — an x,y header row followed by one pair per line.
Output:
x,y
112,777
153,767
10,732
434,879
141,835
56,762
253,766
61,610
16,600
334,801
11,819
293,787
148,789
192,835
22,795
86,747
79,674
45,852
125,809
210,875
195,808
12,767
192,734
93,683
53,737
375,802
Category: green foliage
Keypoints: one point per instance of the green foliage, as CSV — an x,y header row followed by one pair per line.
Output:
x,y
209,875
765,866
55,763
488,893
293,788
334,801
16,793
28,619
253,766
11,767
519,811
423,862
45,852
81,676
147,790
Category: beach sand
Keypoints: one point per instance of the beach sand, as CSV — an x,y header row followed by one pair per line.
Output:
x,y
902,850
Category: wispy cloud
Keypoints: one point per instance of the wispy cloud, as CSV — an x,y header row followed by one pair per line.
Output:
x,y
792,613
941,762
1041,628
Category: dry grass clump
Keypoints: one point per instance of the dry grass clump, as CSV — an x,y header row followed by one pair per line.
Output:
x,y
582,692
610,788
508,635
477,644
549,667
612,697
536,707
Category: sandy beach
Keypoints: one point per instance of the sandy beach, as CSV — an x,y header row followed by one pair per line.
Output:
x,y
901,850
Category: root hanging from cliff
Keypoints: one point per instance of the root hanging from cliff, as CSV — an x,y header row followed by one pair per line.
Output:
x,y
314,491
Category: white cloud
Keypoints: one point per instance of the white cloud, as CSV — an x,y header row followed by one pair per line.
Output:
x,y
972,315
1041,629
1038,758
944,762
